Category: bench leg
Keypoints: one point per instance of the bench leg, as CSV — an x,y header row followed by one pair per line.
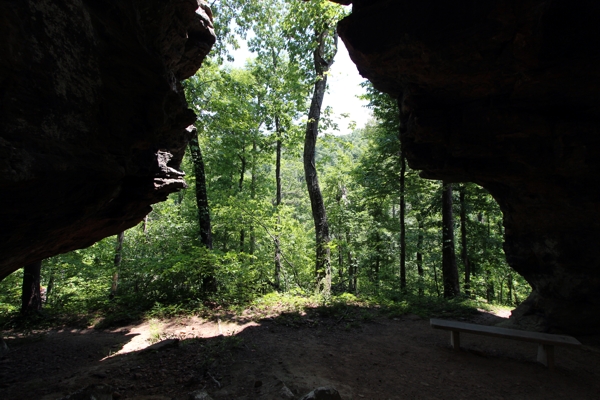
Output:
x,y
455,340
546,355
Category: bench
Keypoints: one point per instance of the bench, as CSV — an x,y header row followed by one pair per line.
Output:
x,y
545,341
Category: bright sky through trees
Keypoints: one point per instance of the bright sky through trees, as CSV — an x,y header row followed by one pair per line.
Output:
x,y
344,87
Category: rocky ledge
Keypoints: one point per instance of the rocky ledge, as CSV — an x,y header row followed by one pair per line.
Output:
x,y
507,95
92,117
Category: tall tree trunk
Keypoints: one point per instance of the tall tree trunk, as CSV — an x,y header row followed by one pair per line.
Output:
x,y
377,261
340,250
117,264
277,277
242,158
509,283
420,255
490,293
50,287
449,268
402,222
278,163
209,282
201,193
242,239
240,188
31,297
323,256
435,279
352,268
253,194
463,239
341,199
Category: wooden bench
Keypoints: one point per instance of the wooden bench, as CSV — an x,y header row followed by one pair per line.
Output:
x,y
545,341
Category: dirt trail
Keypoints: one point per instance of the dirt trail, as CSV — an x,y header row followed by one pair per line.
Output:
x,y
364,358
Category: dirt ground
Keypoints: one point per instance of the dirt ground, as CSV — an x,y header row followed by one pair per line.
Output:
x,y
364,356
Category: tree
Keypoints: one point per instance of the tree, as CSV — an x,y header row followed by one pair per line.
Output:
x,y
232,21
117,263
402,222
201,193
385,170
419,257
282,98
209,281
322,63
449,268
31,298
464,254
336,158
316,20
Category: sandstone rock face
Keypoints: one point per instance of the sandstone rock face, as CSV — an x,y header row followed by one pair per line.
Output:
x,y
507,95
92,116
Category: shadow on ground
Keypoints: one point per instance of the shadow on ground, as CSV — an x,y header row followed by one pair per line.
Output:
x,y
364,355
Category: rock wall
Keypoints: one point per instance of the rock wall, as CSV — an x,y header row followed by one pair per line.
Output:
x,y
92,116
505,94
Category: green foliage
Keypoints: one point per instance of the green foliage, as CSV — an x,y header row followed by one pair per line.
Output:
x,y
243,113
427,307
10,293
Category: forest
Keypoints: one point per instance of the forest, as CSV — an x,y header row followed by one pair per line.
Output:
x,y
279,203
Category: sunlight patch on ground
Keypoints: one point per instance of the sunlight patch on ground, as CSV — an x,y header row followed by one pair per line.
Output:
x,y
153,331
502,312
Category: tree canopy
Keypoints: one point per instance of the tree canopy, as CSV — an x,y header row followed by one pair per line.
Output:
x,y
385,222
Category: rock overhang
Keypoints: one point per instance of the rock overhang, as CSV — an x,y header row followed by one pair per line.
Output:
x,y
506,95
92,117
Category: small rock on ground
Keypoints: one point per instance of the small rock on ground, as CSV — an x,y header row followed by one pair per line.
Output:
x,y
199,395
286,393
